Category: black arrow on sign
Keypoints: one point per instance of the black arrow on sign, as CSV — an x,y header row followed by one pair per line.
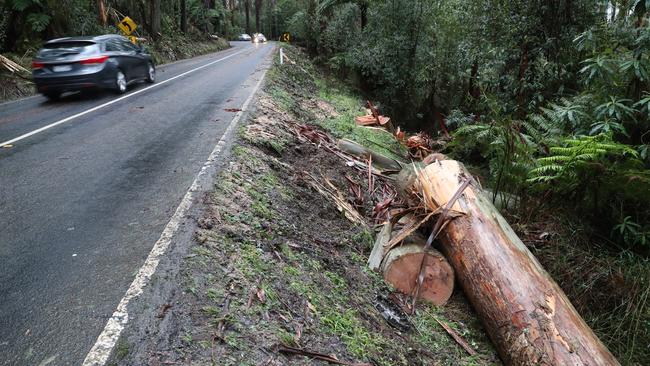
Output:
x,y
126,24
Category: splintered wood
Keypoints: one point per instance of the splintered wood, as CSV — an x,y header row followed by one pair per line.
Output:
x,y
12,66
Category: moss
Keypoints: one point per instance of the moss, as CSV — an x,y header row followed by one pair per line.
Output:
x,y
358,340
363,239
122,350
214,294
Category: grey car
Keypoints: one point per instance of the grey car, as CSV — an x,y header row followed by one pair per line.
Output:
x,y
102,62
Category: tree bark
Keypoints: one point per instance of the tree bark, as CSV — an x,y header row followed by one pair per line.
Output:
x,y
258,20
232,13
247,6
183,16
363,9
526,314
101,9
155,18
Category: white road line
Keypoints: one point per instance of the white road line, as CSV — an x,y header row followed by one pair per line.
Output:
x,y
68,119
106,341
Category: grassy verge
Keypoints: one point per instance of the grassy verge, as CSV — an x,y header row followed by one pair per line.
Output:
x,y
335,106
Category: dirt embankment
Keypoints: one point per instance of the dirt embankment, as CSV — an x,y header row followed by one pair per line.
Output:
x,y
275,263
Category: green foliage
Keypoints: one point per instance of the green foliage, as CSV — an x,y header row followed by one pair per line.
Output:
x,y
506,143
22,5
38,21
580,159
631,232
616,108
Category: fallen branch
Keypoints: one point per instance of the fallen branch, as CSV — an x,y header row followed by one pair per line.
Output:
x,y
362,152
463,343
319,356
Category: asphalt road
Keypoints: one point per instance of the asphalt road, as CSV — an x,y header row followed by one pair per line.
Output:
x,y
82,203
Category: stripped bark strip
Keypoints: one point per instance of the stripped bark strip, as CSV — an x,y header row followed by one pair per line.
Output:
x,y
434,233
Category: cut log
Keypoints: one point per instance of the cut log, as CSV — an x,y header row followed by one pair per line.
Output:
x,y
527,315
401,267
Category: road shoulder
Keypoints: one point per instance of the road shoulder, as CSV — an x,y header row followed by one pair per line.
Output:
x,y
151,282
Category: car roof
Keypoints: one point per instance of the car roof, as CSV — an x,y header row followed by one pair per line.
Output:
x,y
86,38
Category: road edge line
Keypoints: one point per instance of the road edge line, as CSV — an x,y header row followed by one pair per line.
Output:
x,y
107,340
95,108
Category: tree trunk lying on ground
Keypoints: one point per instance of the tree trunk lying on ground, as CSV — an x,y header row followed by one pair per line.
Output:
x,y
527,315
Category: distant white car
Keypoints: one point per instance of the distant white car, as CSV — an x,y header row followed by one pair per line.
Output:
x,y
244,37
258,38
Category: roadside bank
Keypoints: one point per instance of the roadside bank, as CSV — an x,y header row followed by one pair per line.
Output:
x,y
276,273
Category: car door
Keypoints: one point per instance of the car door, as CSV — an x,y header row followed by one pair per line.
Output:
x,y
117,52
137,61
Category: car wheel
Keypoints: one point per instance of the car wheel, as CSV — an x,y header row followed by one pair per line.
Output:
x,y
120,82
151,73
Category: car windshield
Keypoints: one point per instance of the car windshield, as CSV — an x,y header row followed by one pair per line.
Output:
x,y
58,49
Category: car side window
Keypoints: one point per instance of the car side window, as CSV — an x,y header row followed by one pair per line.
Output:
x,y
113,46
127,46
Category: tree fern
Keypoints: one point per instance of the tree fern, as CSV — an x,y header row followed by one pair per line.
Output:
x,y
569,164
567,115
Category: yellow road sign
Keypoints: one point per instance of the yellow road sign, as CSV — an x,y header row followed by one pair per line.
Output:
x,y
133,39
127,25
286,37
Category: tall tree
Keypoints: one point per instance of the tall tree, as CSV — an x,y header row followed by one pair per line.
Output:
x,y
101,8
155,16
247,7
183,16
258,12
